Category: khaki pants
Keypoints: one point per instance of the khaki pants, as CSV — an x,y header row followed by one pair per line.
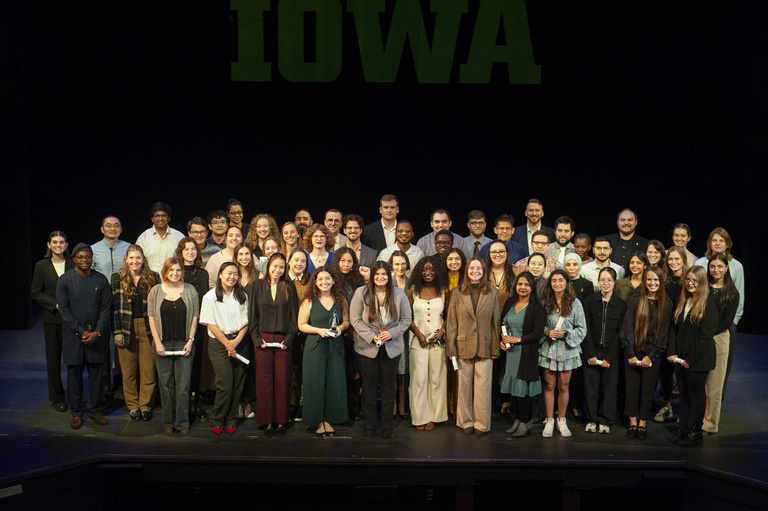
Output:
x,y
715,381
137,363
474,407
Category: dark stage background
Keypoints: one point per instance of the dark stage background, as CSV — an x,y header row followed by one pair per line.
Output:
x,y
655,106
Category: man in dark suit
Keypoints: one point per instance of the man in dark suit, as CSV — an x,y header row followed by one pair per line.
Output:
x,y
534,212
381,234
366,256
503,227
625,242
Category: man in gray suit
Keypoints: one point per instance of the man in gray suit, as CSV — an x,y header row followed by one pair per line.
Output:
x,y
352,225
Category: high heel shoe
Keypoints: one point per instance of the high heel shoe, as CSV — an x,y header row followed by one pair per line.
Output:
x,y
269,431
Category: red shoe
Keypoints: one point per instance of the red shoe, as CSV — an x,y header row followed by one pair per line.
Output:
x,y
231,429
216,430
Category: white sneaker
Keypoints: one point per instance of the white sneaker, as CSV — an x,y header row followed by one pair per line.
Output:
x,y
663,414
549,427
604,429
591,428
563,427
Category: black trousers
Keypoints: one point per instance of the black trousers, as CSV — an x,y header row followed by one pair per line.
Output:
x,y
599,381
375,372
640,384
52,333
693,398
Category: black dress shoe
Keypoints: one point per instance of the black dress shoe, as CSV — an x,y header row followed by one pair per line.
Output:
x,y
135,415
468,431
387,433
146,415
642,434
632,432
679,434
60,407
368,432
269,431
693,438
281,430
405,416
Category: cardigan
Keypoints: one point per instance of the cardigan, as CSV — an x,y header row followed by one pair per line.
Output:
x,y
604,322
533,330
156,297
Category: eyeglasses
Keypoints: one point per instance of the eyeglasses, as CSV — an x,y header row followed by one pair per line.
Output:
x,y
111,226
198,233
160,215
692,282
405,231
497,252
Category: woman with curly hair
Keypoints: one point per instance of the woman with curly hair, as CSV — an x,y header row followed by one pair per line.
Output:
x,y
560,348
324,316
263,226
319,243
692,348
427,287
130,327
644,338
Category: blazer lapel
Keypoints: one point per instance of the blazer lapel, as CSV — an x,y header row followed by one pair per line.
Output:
x,y
468,304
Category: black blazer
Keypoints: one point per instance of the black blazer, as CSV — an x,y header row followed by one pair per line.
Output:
x,y
594,344
695,343
44,283
533,330
373,236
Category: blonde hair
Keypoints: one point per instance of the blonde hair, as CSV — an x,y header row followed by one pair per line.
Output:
x,y
698,297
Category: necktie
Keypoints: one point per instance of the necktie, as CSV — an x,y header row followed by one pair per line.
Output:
x,y
477,249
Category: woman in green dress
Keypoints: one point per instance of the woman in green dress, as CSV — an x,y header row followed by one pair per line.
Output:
x,y
323,316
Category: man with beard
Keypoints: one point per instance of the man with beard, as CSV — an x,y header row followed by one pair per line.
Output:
x,y
404,234
563,233
625,242
602,250
534,212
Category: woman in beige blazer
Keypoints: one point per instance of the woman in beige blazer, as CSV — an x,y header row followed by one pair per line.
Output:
x,y
380,315
473,339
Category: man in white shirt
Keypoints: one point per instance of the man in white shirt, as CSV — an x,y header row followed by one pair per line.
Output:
x,y
332,221
404,237
602,250
381,234
159,242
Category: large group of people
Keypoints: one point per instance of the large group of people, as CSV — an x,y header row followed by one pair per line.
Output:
x,y
314,321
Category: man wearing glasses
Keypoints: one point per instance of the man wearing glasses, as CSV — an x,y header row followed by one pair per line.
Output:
x,y
404,235
540,244
109,253
332,221
159,242
504,229
198,231
477,238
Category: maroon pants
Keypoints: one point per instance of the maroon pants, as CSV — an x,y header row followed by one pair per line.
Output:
x,y
273,373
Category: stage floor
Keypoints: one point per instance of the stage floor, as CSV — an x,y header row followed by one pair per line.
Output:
x,y
35,439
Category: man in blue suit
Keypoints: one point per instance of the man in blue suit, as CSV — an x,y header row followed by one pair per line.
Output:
x,y
534,212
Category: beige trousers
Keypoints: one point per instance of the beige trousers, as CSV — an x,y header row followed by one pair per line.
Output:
x,y
137,362
715,381
474,406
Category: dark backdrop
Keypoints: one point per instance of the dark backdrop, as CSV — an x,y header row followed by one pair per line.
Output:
x,y
116,105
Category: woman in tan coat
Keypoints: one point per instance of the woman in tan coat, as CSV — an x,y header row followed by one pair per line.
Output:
x,y
473,341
